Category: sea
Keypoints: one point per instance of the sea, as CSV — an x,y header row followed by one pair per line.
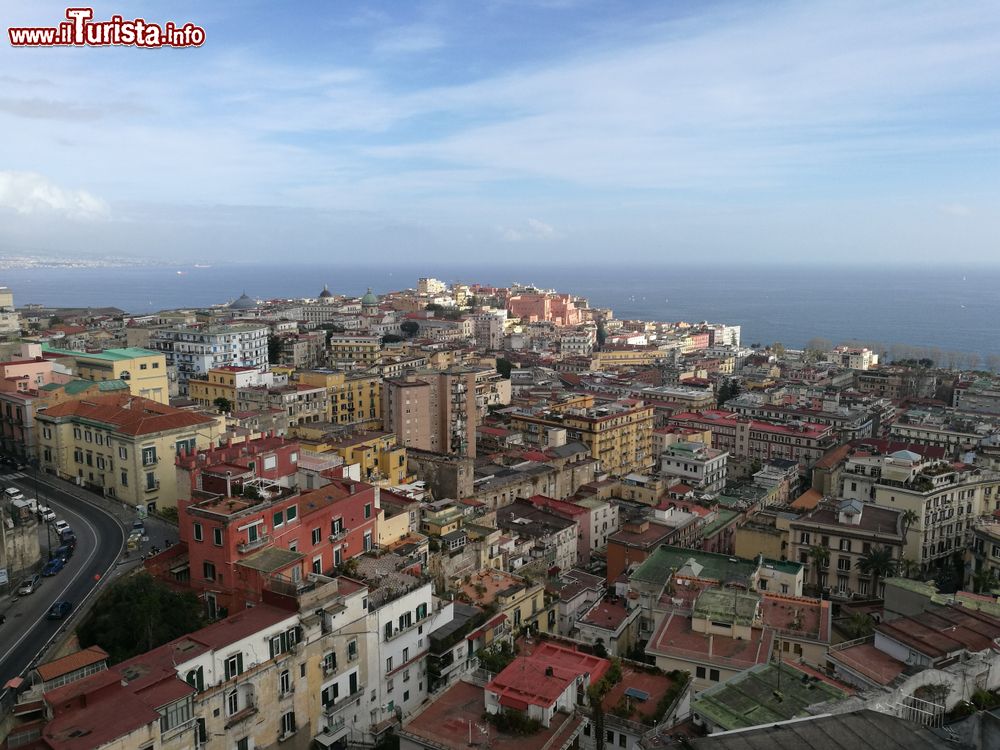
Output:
x,y
946,308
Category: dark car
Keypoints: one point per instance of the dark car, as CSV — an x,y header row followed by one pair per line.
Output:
x,y
53,566
68,538
59,610
65,552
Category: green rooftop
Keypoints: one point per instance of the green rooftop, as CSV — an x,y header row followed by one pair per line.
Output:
x,y
723,518
109,355
757,696
666,560
736,607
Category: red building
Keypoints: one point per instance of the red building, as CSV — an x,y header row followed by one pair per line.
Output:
x,y
246,523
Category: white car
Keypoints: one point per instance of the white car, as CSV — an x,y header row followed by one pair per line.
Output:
x,y
48,515
61,526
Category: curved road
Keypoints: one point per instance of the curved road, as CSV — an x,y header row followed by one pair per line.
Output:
x,y
99,542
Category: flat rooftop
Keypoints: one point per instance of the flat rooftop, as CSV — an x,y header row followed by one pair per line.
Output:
x,y
447,720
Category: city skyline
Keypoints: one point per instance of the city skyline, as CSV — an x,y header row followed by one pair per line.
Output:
x,y
548,132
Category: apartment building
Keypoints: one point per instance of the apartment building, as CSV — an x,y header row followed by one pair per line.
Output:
x,y
433,411
554,535
748,439
194,350
354,398
303,404
618,434
350,351
144,370
695,464
121,445
944,497
224,382
849,529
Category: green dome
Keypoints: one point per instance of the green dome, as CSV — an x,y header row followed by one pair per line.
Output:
x,y
369,298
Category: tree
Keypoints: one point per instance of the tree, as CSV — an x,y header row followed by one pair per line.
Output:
x,y
908,568
778,349
859,625
504,366
984,580
602,334
391,338
595,698
223,404
910,517
136,615
724,393
820,557
878,563
409,327
434,307
274,349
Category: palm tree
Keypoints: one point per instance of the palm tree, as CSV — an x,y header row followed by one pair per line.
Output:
x,y
910,517
860,625
878,563
820,557
984,579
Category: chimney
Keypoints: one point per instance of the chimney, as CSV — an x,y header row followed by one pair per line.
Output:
x,y
549,672
229,484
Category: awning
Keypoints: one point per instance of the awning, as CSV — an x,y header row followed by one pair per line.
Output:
x,y
330,740
13,683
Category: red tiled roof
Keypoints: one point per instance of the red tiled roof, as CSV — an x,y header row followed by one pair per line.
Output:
x,y
67,664
542,676
128,414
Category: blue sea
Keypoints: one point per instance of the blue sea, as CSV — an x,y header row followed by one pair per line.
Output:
x,y
953,309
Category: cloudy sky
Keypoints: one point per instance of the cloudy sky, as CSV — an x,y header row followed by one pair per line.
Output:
x,y
527,130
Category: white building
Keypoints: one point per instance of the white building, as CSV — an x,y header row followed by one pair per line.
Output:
x,y
193,351
696,464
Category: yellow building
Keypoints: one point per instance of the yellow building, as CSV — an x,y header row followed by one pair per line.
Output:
x,y
619,435
122,446
347,349
521,600
144,370
380,458
607,359
355,398
223,382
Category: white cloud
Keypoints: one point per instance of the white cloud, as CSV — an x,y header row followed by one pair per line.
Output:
x,y
409,40
28,193
532,230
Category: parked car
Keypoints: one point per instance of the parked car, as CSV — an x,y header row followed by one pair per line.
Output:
x,y
140,527
68,538
13,493
46,514
65,552
61,526
59,610
29,585
53,566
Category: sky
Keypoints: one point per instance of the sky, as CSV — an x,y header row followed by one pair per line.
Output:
x,y
523,131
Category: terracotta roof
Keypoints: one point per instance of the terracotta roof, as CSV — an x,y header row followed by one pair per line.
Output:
x,y
67,664
127,414
807,500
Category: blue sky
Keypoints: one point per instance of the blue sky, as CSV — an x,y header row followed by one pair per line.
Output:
x,y
559,130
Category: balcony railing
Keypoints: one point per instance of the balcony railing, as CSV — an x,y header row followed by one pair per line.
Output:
x,y
257,543
330,709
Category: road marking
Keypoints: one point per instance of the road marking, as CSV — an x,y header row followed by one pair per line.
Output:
x,y
56,488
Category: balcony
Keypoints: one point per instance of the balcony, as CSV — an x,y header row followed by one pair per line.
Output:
x,y
331,709
260,541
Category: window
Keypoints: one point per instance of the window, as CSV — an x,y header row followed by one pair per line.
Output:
x,y
406,675
367,545
46,433
217,537
845,545
176,714
804,538
197,531
278,519
317,535
243,744
388,664
368,510
713,675
124,479
151,483
77,432
270,462
330,694
317,565
352,650
700,673
390,685
234,666
622,739
232,702
288,723
406,695
843,563
336,526
122,453
208,569
291,512
149,456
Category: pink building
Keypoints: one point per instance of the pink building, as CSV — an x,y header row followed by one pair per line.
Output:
x,y
553,308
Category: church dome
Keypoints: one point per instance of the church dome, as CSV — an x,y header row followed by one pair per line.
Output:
x,y
369,299
243,303
325,294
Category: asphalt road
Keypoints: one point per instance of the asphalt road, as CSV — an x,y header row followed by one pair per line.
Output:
x,y
100,537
